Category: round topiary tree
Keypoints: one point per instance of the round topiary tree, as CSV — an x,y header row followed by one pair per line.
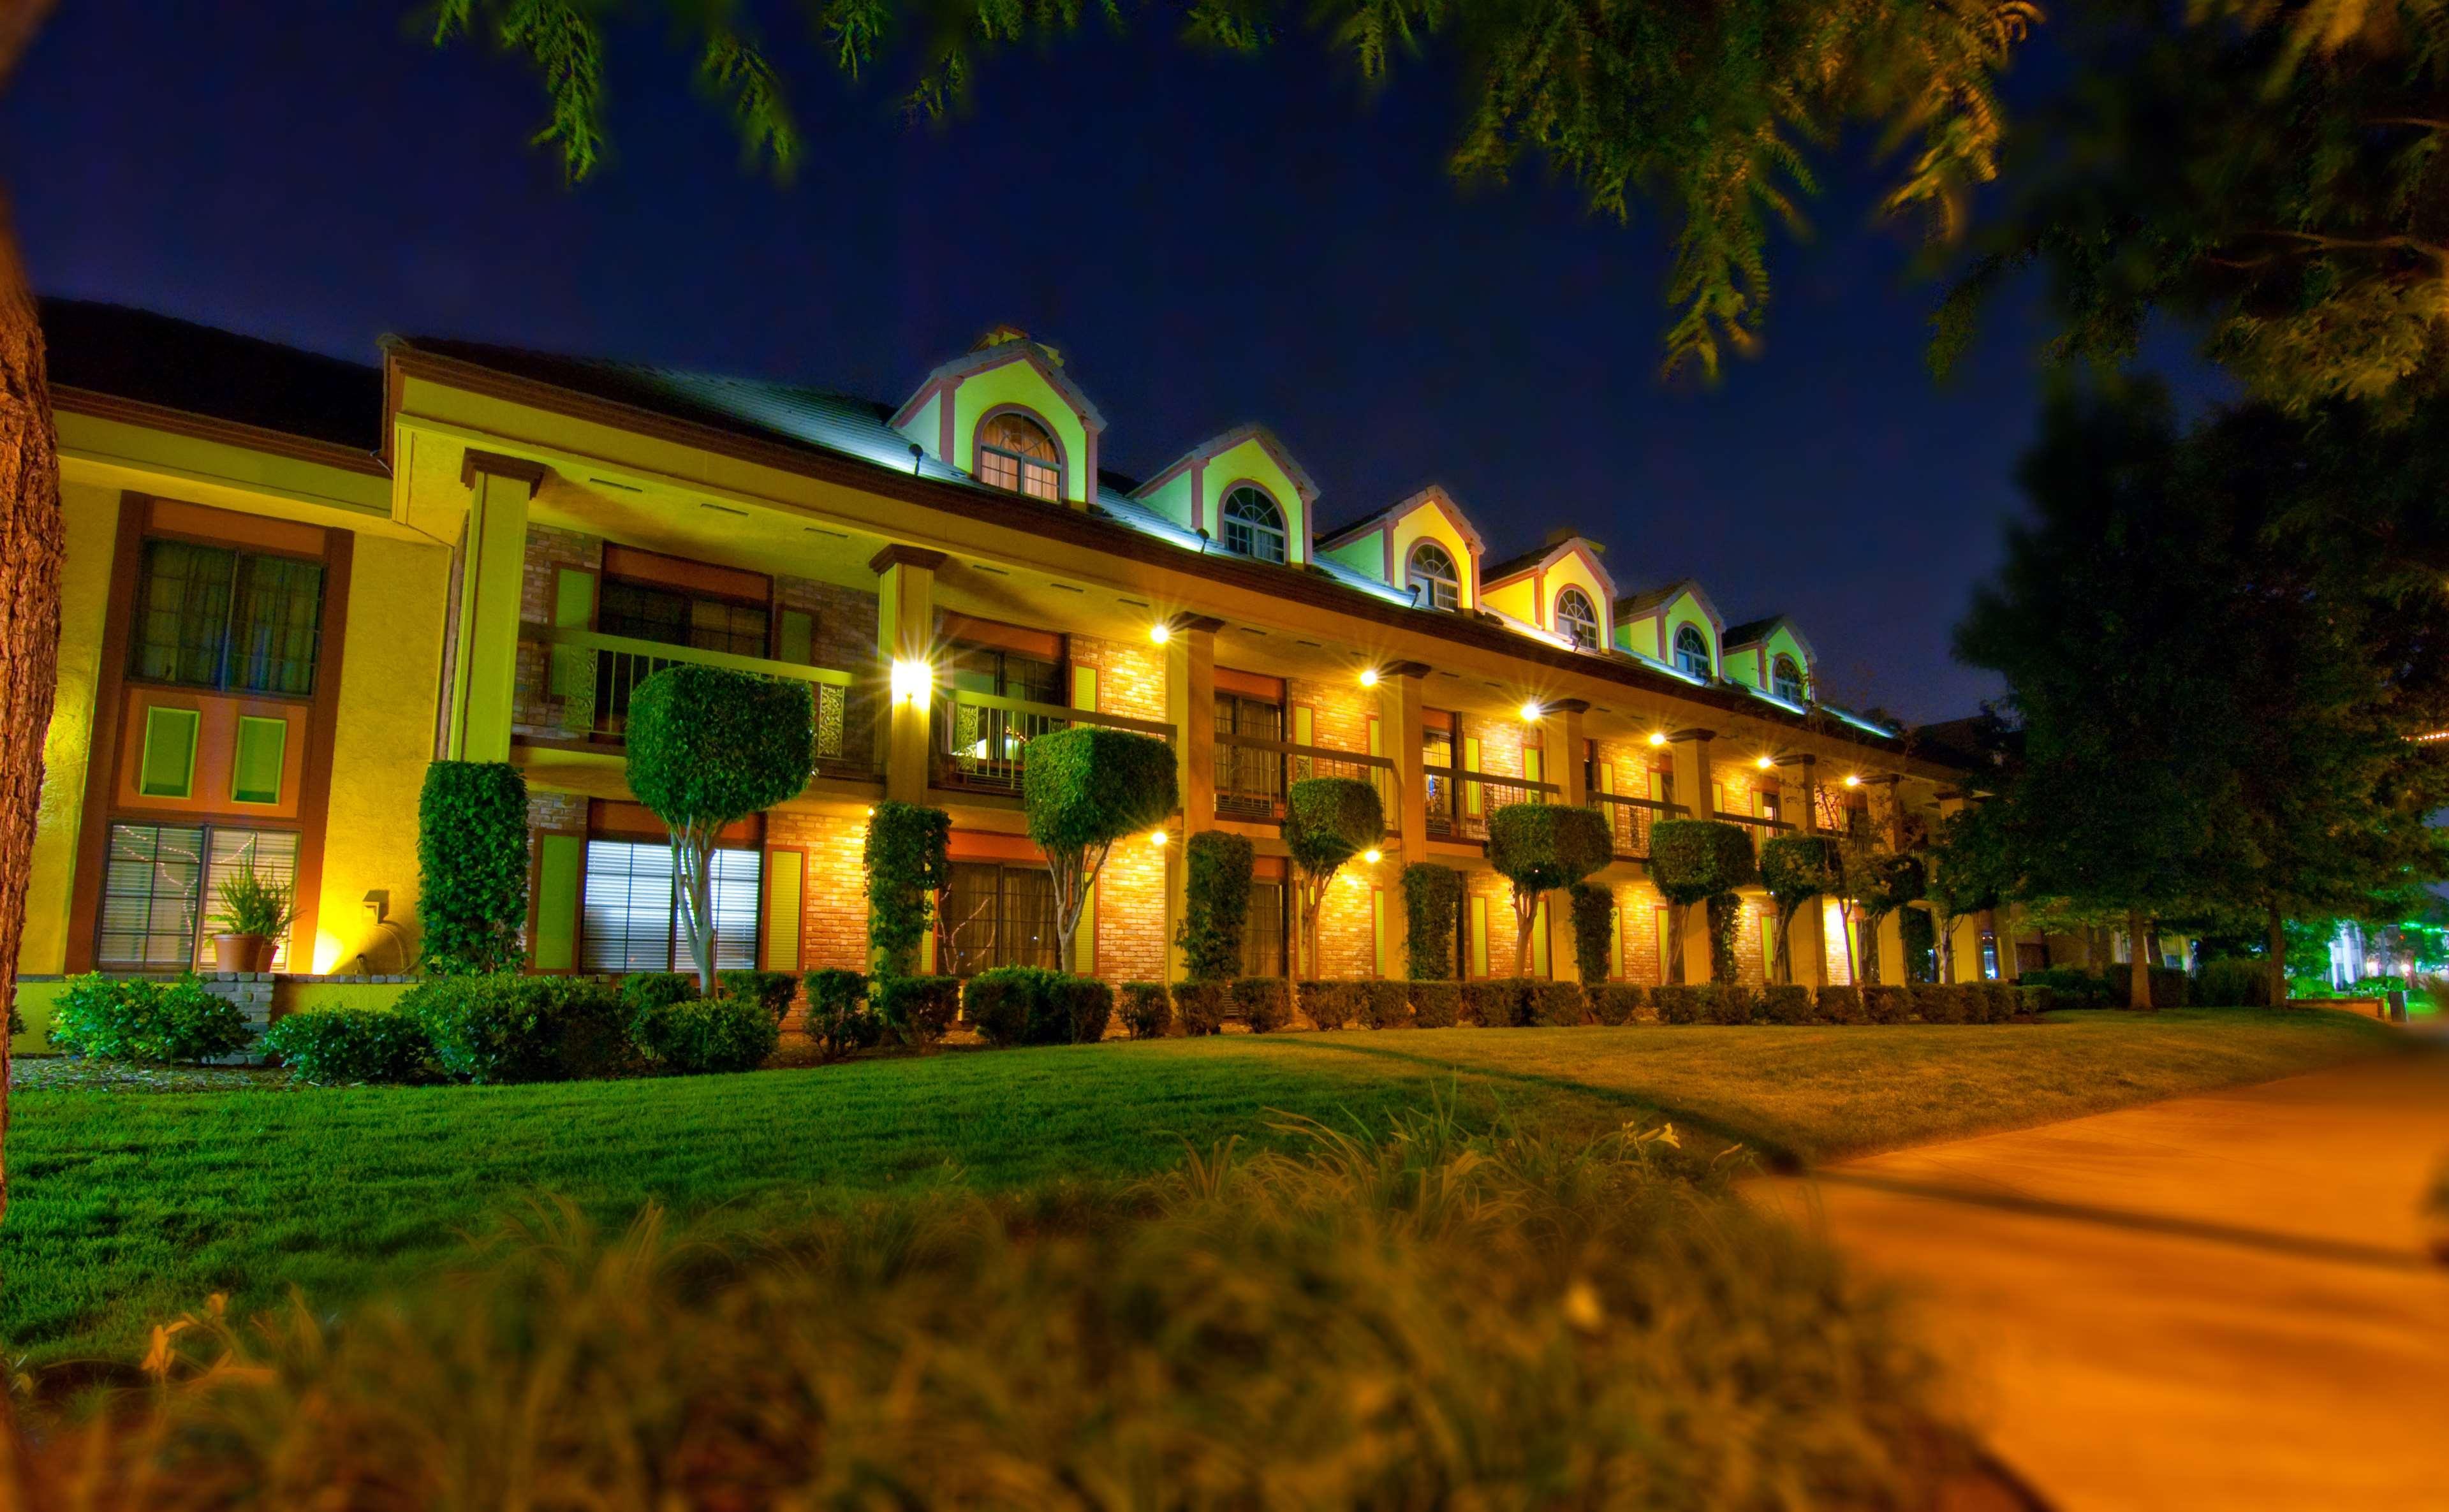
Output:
x,y
708,747
1539,848
1797,868
908,862
1432,904
1085,788
1327,822
1215,905
471,860
1698,861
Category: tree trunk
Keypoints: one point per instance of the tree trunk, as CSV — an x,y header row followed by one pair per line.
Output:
x,y
1526,912
1674,972
2277,945
1947,952
2138,967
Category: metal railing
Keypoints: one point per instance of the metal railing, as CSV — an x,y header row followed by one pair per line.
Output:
x,y
1629,819
1759,827
1253,774
577,685
1460,800
981,739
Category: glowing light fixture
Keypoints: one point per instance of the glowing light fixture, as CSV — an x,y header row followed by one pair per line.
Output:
x,y
1764,763
1372,856
1657,737
911,680
1161,632
1156,838
1368,677
1852,781
1530,711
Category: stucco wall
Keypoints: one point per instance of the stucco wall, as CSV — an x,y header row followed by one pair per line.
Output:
x,y
91,517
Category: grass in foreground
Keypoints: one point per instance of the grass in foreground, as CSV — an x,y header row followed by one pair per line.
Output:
x,y
126,1208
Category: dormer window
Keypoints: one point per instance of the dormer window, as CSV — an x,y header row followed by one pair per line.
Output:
x,y
1253,525
1786,681
1692,652
1432,572
1015,453
1577,620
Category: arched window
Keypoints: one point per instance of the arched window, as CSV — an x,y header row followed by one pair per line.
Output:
x,y
1786,681
1253,525
1015,452
1430,567
1577,620
1691,652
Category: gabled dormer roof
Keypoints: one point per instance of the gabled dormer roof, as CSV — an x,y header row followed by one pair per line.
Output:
x,y
1752,632
1216,446
1499,574
1434,495
998,347
1650,599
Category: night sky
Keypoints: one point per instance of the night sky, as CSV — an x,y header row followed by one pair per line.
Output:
x,y
1210,239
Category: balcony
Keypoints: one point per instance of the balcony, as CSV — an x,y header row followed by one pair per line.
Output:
x,y
1253,774
574,687
1460,800
1759,828
1628,821
980,741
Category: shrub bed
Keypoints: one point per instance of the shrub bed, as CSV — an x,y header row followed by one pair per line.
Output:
x,y
146,1022
1201,1006
918,1010
337,1047
1264,1003
1788,1004
1495,1003
839,1018
1614,1002
1434,1004
1935,1004
2031,1001
1385,1006
1557,1004
1842,1004
1030,1005
1886,1004
1147,1012
771,991
1727,1003
1678,1002
1332,1004
701,1036
2075,987
500,1027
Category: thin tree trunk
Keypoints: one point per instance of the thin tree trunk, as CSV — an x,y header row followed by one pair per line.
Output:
x,y
1947,953
1523,918
1674,972
2277,945
2139,967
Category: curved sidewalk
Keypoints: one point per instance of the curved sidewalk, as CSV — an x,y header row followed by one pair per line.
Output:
x,y
2220,1301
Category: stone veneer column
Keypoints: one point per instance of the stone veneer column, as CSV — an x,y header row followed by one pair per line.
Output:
x,y
905,632
1190,708
493,575
1688,750
1561,745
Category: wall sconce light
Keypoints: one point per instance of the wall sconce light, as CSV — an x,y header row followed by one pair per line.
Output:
x,y
1156,838
1764,763
912,681
1368,677
1372,855
1530,711
1657,737
1159,632
1852,781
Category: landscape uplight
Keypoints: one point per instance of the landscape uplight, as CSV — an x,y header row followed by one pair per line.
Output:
x,y
911,680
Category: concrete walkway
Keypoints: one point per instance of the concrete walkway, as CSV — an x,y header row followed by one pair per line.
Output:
x,y
2218,1302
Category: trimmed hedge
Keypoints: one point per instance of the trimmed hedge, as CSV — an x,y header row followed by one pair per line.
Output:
x,y
472,862
146,1022
1558,1004
1434,1004
1201,1006
1886,1004
697,1036
1332,1005
1678,1002
1593,927
504,1027
1216,904
1614,1002
1432,903
1727,1003
1935,1004
918,1010
838,1018
1788,1004
337,1047
2005,1001
1495,1003
1385,1006
2031,1001
1842,1004
773,991
1147,1012
1032,1004
2073,986
1264,1003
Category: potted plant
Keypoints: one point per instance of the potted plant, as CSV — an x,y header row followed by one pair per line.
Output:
x,y
253,916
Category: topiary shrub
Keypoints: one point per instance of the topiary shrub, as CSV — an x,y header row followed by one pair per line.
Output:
x,y
1886,1004
1727,1003
1680,1004
1593,929
1877,883
1842,1004
1796,869
908,860
1498,1003
504,1027
642,992
1557,1004
1432,904
1385,1006
1327,822
1786,1004
1434,1004
996,1003
1201,1006
1264,1003
1148,1010
1615,1003
1030,1005
1539,848
1331,1004
145,1022
772,991
1693,861
1083,1009
706,747
1216,904
1933,1004
917,1010
472,861
701,1036
340,1046
1085,788
838,1018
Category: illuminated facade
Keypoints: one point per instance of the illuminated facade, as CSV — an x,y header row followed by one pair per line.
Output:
x,y
292,583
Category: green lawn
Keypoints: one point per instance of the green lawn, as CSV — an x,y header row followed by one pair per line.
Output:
x,y
126,1207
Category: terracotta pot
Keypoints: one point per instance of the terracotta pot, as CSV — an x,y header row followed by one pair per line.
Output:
x,y
241,952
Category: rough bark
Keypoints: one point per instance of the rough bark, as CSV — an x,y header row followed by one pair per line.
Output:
x,y
2138,962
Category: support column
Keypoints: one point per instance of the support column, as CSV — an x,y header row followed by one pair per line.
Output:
x,y
905,636
1190,708
1564,746
1688,750
492,568
1402,707
1808,939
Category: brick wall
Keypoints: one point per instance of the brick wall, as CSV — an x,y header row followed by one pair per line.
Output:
x,y
1130,678
549,550
833,886
565,812
1636,919
1130,944
1338,713
1347,939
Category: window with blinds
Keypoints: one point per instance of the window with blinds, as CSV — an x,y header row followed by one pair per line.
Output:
x,y
996,915
160,883
629,909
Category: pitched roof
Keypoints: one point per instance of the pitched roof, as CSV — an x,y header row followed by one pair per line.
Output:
x,y
159,359
1015,349
1651,598
1220,444
1544,555
1434,495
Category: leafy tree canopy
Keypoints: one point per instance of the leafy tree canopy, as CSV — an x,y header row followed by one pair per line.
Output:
x,y
1086,787
1539,847
1693,860
711,745
1329,820
1797,868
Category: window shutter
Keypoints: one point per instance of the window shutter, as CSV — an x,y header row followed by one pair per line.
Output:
x,y
560,860
1479,936
254,775
167,767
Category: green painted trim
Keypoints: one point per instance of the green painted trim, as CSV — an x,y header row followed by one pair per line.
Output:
x,y
559,861
167,767
797,636
1084,688
784,871
573,608
262,751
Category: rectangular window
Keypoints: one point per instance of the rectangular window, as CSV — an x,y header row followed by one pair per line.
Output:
x,y
210,617
1249,779
669,616
1263,937
630,909
997,915
1989,956
160,887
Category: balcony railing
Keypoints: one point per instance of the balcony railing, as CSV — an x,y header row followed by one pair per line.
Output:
x,y
1760,829
1253,774
981,739
1629,819
1459,800
577,685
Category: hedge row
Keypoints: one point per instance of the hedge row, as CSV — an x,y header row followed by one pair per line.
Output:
x,y
1265,1004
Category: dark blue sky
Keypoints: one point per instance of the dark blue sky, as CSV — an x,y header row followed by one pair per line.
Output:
x,y
1211,239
